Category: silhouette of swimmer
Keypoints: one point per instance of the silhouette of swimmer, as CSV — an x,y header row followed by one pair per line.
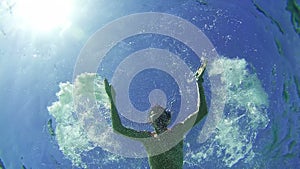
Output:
x,y
160,118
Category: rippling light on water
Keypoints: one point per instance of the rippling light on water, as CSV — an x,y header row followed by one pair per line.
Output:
x,y
43,15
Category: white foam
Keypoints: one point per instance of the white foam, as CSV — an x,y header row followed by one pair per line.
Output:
x,y
245,113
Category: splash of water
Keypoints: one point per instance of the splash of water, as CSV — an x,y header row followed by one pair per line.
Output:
x,y
74,114
244,114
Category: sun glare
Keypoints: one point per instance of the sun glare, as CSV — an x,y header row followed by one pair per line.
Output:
x,y
43,15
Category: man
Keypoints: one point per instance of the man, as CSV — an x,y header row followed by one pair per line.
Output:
x,y
162,137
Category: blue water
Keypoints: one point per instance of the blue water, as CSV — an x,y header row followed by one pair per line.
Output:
x,y
32,64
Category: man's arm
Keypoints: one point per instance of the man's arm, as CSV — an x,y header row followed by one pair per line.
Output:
x,y
197,116
202,111
203,107
116,121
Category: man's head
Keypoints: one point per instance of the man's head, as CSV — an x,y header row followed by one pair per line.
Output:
x,y
159,118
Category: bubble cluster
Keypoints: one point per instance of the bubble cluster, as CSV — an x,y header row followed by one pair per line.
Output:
x,y
244,114
75,116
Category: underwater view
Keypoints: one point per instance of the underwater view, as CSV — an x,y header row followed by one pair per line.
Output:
x,y
169,84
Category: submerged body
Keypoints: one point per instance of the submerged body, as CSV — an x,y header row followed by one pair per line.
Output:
x,y
171,159
168,140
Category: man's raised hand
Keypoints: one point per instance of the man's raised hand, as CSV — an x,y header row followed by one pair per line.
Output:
x,y
200,72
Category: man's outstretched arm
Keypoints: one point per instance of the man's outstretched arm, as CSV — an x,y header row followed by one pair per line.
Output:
x,y
202,111
197,116
116,121
203,106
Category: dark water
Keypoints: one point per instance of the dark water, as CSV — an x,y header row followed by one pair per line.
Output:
x,y
258,46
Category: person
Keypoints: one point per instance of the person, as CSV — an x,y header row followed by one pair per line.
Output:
x,y
162,137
